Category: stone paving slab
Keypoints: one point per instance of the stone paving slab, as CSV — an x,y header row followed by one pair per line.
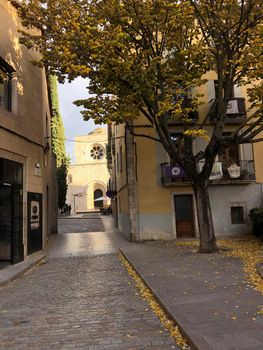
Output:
x,y
88,243
87,303
11,272
79,225
207,295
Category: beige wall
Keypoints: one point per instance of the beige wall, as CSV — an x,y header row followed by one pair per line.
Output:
x,y
29,82
25,131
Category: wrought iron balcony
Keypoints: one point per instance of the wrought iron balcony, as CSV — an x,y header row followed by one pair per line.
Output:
x,y
173,174
192,118
222,173
236,110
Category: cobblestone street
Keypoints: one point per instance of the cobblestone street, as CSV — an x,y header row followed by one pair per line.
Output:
x,y
85,223
80,302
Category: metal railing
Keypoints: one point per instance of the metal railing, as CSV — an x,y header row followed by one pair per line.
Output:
x,y
236,110
223,171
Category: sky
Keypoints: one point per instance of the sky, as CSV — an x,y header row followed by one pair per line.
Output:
x,y
73,121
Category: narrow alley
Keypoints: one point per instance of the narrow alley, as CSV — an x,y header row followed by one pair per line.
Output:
x,y
79,297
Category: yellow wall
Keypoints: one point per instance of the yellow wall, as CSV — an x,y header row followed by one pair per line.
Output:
x,y
152,196
258,159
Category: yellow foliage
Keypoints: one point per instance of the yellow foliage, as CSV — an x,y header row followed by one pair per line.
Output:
x,y
147,295
251,253
202,133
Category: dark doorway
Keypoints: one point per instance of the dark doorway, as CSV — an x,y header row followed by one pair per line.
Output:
x,y
97,194
184,215
34,238
11,211
5,222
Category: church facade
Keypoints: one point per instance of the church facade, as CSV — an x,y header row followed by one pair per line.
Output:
x,y
88,177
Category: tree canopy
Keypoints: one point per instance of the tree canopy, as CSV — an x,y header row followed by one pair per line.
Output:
x,y
149,57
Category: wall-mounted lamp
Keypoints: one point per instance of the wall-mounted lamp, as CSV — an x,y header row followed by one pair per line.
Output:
x,y
38,165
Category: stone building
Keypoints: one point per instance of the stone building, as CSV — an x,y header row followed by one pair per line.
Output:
x,y
88,177
27,182
153,199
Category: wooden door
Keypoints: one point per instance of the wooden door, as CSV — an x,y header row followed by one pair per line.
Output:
x,y
184,218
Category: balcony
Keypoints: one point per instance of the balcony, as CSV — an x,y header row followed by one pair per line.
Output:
x,y
172,175
192,118
236,111
222,174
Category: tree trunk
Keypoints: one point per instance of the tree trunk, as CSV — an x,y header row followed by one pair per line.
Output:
x,y
205,222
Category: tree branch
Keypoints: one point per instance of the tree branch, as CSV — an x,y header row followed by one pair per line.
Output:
x,y
142,135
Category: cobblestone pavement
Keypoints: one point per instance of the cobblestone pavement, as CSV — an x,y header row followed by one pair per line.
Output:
x,y
78,225
79,302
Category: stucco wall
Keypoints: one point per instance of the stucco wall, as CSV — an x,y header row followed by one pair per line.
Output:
x,y
29,105
156,226
25,130
223,197
124,224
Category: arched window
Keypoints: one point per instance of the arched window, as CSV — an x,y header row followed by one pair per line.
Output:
x,y
97,152
97,194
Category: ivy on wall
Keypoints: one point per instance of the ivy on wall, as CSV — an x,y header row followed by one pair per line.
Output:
x,y
58,142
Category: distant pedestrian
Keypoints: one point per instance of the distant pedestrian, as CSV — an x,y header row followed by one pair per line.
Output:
x,y
69,209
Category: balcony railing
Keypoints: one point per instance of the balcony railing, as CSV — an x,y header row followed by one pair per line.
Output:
x,y
236,110
222,173
192,118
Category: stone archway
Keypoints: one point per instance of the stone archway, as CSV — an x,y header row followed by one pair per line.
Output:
x,y
92,187
97,194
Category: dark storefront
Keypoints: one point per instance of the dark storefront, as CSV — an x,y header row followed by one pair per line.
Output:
x,y
11,211
34,229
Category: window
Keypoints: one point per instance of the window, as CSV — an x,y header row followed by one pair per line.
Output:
x,y
237,215
216,89
97,152
6,74
121,158
179,140
229,155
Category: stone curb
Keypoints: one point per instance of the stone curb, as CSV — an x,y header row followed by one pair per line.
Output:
x,y
164,306
12,272
81,218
